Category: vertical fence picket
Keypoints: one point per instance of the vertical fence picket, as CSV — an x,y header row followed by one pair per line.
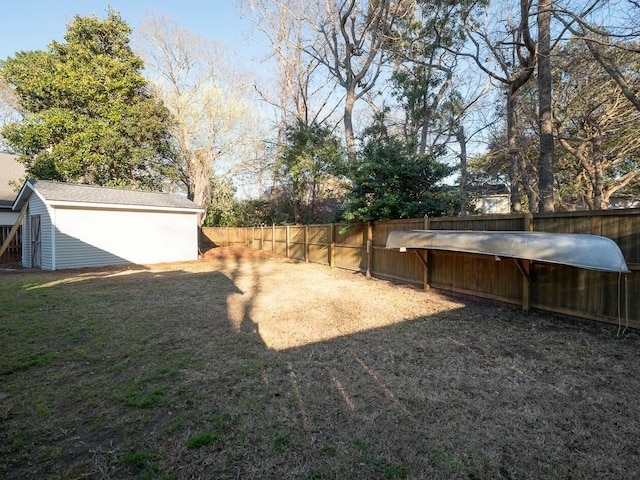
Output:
x,y
369,249
306,243
287,240
332,245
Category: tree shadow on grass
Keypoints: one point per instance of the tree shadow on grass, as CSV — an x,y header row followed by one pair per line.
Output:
x,y
94,365
149,374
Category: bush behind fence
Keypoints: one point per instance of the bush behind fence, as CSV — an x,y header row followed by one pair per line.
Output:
x,y
601,296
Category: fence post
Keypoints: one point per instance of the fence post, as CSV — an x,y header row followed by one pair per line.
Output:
x,y
369,234
332,245
273,238
261,237
306,243
528,222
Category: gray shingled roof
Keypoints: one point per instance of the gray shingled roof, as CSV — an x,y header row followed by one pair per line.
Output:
x,y
71,192
10,171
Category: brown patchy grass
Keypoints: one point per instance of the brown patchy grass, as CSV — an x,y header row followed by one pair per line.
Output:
x,y
236,367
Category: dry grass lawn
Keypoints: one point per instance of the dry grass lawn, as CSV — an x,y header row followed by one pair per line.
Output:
x,y
244,366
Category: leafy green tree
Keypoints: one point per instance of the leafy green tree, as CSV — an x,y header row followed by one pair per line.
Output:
x,y
310,170
223,208
253,212
391,181
596,126
597,154
226,211
88,114
423,44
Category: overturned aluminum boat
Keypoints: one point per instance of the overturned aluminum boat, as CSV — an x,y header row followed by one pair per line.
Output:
x,y
592,252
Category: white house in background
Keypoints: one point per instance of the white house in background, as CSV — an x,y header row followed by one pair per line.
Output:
x,y
12,173
497,203
623,201
73,226
491,199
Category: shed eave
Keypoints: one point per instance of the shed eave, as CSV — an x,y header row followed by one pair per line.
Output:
x,y
120,206
23,196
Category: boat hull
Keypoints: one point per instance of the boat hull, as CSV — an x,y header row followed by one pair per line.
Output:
x,y
591,252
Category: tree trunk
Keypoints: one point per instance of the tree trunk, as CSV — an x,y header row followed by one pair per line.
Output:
x,y
462,140
545,162
514,176
348,125
526,181
313,207
297,218
588,195
598,184
200,182
422,146
528,184
424,131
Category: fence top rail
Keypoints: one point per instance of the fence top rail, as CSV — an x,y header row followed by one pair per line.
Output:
x,y
398,220
620,212
479,218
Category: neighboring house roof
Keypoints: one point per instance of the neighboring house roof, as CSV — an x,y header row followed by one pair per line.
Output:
x,y
92,196
10,171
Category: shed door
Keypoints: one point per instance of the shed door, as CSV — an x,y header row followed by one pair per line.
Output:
x,y
36,244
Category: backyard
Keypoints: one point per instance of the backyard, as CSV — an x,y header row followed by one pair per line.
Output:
x,y
242,365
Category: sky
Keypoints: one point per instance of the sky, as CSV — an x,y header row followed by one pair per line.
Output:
x,y
32,24
27,25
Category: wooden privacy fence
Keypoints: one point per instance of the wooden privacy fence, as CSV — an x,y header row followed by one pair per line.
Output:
x,y
13,254
601,296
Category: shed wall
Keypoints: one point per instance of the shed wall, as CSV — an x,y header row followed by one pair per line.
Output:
x,y
94,237
38,207
8,217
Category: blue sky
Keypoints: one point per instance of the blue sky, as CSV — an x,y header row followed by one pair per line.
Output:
x,y
32,24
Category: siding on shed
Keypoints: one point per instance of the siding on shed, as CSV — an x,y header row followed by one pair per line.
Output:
x,y
8,217
96,237
37,207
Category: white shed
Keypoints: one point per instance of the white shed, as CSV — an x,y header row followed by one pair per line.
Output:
x,y
72,226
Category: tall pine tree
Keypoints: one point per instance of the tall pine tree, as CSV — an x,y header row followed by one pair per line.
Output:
x,y
88,115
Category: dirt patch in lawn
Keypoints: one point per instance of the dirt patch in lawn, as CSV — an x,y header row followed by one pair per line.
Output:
x,y
234,252
243,365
